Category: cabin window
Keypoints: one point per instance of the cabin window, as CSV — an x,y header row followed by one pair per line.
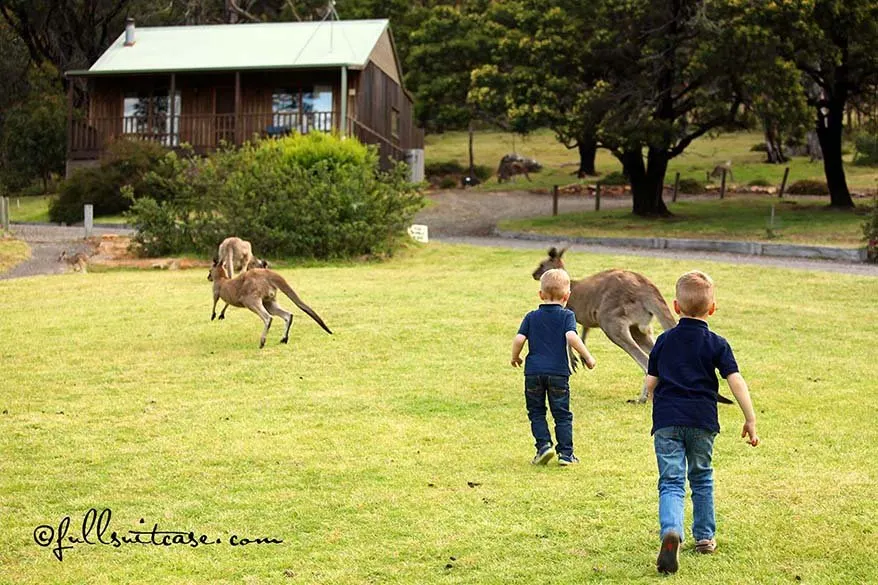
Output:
x,y
301,109
394,124
148,114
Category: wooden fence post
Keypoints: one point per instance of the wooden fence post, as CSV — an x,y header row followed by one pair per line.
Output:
x,y
555,200
597,197
783,184
722,187
676,187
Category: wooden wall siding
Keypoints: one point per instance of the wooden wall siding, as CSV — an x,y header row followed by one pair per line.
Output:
x,y
383,57
377,96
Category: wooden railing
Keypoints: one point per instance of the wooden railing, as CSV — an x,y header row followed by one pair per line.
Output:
x,y
387,150
204,132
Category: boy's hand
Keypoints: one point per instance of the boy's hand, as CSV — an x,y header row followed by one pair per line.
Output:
x,y
588,361
750,431
516,361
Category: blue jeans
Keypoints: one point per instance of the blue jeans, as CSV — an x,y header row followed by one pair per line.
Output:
x,y
557,389
677,448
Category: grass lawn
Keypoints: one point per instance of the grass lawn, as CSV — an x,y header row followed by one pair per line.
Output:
x,y
12,252
700,157
397,450
800,220
35,208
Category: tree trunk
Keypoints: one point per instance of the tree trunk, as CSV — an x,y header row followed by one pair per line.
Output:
x,y
829,133
773,147
647,182
588,149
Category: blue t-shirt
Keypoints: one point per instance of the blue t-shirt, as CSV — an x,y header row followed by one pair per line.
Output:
x,y
685,360
546,331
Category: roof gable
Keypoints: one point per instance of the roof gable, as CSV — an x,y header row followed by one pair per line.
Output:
x,y
243,46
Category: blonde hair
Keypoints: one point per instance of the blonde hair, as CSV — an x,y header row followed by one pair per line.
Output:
x,y
695,293
555,283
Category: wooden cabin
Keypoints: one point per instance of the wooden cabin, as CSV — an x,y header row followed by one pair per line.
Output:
x,y
223,84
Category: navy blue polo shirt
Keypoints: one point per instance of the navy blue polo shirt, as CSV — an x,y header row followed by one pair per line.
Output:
x,y
685,360
546,331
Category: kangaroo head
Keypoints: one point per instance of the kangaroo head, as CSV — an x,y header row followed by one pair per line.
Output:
x,y
553,261
217,271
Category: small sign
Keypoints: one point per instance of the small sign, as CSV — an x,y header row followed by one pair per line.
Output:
x,y
418,233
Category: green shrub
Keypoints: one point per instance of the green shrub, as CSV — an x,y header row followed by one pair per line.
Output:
x,y
441,168
760,183
614,178
311,195
126,163
447,183
866,150
808,187
691,186
483,172
759,147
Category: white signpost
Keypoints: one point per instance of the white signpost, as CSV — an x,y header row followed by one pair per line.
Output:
x,y
418,233
89,219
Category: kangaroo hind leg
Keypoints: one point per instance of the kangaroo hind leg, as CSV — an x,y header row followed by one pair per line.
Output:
x,y
276,310
258,308
620,334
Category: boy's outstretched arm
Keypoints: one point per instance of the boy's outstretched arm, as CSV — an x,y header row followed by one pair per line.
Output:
x,y
575,342
651,383
742,394
517,346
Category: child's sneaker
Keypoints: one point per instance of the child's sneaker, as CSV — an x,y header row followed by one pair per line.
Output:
x,y
705,546
544,455
565,460
669,556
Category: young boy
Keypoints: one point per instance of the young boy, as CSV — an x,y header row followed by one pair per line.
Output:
x,y
548,331
682,384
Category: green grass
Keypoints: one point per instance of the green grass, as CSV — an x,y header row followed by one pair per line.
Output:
x,y
36,209
12,252
800,220
699,158
357,448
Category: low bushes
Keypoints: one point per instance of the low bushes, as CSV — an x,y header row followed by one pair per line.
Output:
x,y
126,163
808,187
310,195
870,233
691,186
866,150
614,178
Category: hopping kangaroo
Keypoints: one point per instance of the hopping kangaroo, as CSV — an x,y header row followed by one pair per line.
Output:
x,y
257,290
78,262
622,303
237,254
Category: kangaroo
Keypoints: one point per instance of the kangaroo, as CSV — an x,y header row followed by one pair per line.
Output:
x,y
256,290
508,170
622,303
235,253
78,262
718,170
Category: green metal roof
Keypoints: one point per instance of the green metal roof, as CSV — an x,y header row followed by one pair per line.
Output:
x,y
242,46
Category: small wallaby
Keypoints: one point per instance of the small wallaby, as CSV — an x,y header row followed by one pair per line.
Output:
x,y
256,290
622,303
78,262
237,254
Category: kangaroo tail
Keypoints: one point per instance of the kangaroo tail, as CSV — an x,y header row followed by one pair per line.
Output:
x,y
659,307
288,290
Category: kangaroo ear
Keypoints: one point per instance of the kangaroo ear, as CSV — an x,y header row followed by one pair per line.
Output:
x,y
553,252
561,253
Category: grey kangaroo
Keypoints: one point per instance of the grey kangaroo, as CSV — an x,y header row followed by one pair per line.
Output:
x,y
622,303
237,254
257,290
78,262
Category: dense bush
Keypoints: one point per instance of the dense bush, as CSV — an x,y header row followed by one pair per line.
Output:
x,y
447,183
760,183
691,186
311,195
759,147
126,163
445,167
867,150
614,178
808,187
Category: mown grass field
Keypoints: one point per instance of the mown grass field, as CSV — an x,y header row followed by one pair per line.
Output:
x,y
699,158
397,450
12,252
799,220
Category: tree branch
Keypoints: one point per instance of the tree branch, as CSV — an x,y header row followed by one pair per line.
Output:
x,y
705,128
